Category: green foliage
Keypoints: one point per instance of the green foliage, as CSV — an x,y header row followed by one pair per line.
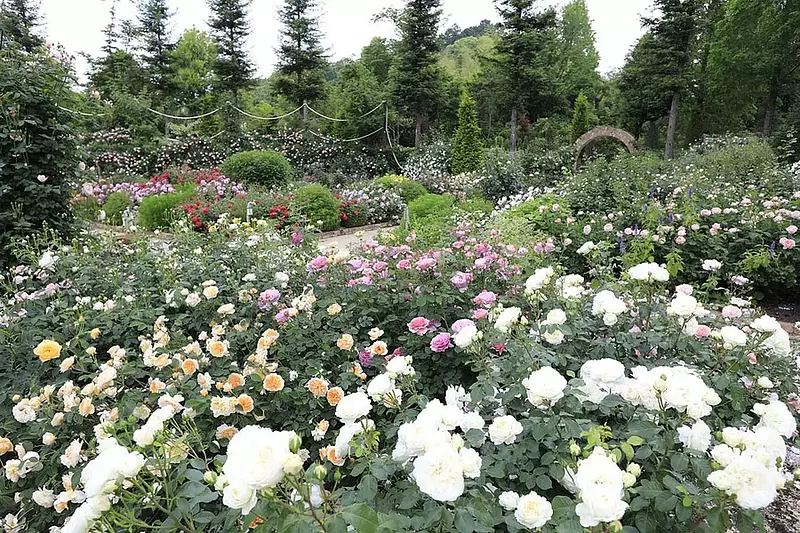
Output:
x,y
503,173
377,57
230,28
318,205
468,146
258,167
407,189
115,205
476,205
154,30
582,117
464,59
301,57
37,148
431,205
578,57
158,212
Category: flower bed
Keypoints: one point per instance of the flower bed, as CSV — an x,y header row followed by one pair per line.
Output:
x,y
236,380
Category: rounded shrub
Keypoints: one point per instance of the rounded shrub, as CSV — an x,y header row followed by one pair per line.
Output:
x,y
258,167
408,189
115,205
156,212
435,205
317,204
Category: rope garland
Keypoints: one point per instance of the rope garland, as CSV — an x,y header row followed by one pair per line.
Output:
x,y
245,113
174,117
332,139
368,113
81,113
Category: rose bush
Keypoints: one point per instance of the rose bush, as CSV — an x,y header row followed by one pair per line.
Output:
x,y
231,380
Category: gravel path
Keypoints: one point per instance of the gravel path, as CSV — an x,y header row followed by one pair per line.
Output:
x,y
350,240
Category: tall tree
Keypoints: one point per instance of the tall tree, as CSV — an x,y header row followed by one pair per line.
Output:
x,y
578,56
230,28
755,60
673,38
583,117
156,43
301,58
416,76
644,93
18,22
193,59
468,146
524,56
377,57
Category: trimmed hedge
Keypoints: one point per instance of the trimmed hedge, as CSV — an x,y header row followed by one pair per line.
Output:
x,y
258,167
156,212
317,204
409,190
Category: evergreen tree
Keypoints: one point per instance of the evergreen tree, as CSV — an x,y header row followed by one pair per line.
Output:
x,y
230,29
156,44
583,117
527,41
301,58
644,95
416,76
18,22
673,37
377,57
578,57
468,147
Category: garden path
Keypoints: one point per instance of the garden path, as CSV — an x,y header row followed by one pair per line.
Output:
x,y
349,240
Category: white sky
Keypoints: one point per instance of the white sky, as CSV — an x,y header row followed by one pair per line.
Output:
x,y
78,24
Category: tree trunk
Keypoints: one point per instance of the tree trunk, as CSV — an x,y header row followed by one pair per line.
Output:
x,y
771,104
673,125
418,132
513,137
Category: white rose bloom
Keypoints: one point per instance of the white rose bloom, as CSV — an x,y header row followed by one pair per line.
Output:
x,y
533,511
610,319
193,299
353,406
398,366
226,309
570,287
240,497
598,506
598,471
733,336
545,387
465,336
540,278
765,383
509,500
380,385
471,420
601,378
256,457
723,454
556,317
72,455
649,272
752,483
43,498
439,474
507,318
732,436
504,430
765,324
553,337
132,464
470,462
776,415
711,265
779,343
697,437
411,438
682,305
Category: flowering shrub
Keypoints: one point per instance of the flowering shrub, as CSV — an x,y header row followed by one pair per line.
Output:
x,y
227,381
380,205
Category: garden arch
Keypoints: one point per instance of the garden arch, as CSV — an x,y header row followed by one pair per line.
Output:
x,y
603,132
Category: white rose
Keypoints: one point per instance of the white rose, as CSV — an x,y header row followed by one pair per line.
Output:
x,y
504,430
353,406
509,500
682,305
192,299
545,387
776,415
131,464
465,336
696,437
398,366
765,383
43,498
733,336
471,420
599,506
380,386
226,309
470,462
533,511
553,337
766,324
439,474
507,318
556,317
293,464
723,454
240,497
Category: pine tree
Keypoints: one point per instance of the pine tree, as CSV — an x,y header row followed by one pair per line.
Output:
x,y
523,61
416,76
468,148
18,22
301,58
156,44
578,57
582,117
230,28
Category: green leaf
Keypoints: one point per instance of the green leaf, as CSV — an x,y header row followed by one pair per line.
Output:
x,y
544,482
464,523
363,518
367,488
635,440
679,462
627,449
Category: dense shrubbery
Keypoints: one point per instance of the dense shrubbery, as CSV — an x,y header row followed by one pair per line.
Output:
x,y
258,167
431,205
114,206
158,212
407,189
318,205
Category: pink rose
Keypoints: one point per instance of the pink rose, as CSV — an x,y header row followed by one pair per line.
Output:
x,y
419,326
485,298
441,342
787,244
404,264
268,298
458,325
461,280
731,311
703,331
480,314
426,263
318,263
791,230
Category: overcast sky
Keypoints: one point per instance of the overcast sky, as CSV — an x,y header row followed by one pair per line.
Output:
x,y
78,24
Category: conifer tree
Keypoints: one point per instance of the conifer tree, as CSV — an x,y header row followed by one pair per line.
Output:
x,y
18,22
468,148
582,117
156,43
301,58
230,29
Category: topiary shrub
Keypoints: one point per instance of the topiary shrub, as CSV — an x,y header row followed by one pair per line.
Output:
x,y
258,167
156,212
431,205
115,205
317,204
407,189
468,146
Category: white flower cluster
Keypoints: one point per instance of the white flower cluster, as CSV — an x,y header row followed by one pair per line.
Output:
x,y
100,477
531,510
779,342
504,319
258,458
601,378
607,304
145,435
600,485
441,458
674,387
545,387
570,287
749,461
649,272
540,279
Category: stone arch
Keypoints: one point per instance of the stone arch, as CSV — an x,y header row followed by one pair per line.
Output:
x,y
603,132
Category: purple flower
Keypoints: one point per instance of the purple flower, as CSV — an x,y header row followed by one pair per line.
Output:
x,y
365,358
426,263
441,342
268,298
461,280
297,238
318,263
